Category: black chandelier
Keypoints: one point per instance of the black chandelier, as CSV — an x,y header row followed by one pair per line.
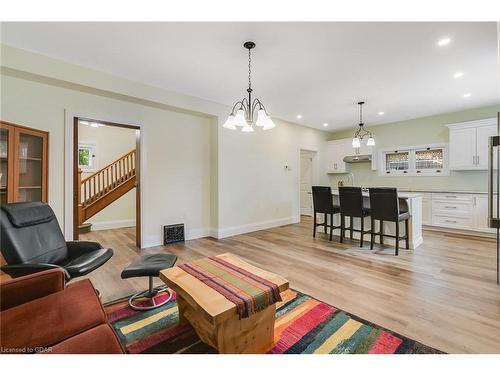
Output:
x,y
362,132
243,112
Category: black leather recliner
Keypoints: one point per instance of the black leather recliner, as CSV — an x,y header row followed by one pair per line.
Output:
x,y
32,241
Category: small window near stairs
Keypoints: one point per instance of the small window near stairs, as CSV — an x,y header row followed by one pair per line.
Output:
x,y
87,160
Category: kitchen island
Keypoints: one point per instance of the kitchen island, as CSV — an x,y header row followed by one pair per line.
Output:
x,y
412,201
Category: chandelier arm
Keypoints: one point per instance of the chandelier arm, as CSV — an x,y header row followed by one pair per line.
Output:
x,y
235,105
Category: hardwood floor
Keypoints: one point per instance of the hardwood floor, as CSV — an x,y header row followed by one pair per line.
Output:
x,y
442,294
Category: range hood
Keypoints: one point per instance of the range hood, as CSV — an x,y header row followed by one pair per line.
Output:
x,y
358,159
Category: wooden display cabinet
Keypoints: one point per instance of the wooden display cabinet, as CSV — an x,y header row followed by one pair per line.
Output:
x,y
23,164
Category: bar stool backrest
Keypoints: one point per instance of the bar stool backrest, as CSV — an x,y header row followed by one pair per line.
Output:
x,y
384,204
322,199
351,201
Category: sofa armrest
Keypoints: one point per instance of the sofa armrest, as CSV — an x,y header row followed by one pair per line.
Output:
x,y
27,288
77,248
23,269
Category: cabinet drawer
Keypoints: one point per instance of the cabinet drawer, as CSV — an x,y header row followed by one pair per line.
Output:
x,y
453,206
451,221
452,197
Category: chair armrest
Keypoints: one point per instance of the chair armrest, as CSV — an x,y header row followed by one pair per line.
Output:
x,y
77,248
17,270
30,287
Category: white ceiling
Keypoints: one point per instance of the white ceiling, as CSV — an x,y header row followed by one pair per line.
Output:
x,y
318,70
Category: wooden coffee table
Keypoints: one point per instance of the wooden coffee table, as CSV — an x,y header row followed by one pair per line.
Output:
x,y
216,319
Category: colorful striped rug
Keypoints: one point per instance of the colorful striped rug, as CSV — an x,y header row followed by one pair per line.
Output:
x,y
249,292
303,325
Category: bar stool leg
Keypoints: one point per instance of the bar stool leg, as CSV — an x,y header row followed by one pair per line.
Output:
x,y
381,222
407,227
362,231
314,225
326,223
342,228
351,222
397,238
331,227
372,234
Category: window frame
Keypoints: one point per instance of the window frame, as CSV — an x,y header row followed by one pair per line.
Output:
x,y
93,157
412,170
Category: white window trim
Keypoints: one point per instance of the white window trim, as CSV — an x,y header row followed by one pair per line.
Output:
x,y
411,171
93,148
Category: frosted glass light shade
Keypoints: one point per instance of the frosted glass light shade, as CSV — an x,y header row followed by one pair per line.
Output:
x,y
247,128
239,119
262,118
356,143
269,124
229,124
370,141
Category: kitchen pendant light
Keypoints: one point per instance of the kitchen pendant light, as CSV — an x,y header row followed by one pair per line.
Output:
x,y
245,110
362,132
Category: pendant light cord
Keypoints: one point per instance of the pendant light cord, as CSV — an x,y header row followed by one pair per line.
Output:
x,y
249,69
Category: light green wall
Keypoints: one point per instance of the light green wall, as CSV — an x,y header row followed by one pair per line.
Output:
x,y
425,130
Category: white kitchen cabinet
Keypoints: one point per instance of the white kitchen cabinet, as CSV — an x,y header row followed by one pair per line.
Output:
x,y
469,144
426,209
337,150
340,148
480,216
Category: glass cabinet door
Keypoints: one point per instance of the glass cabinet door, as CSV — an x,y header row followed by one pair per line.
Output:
x,y
4,164
30,155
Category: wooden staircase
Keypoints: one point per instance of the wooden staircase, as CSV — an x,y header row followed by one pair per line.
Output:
x,y
105,186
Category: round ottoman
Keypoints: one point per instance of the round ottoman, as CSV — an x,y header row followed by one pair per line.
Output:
x,y
149,265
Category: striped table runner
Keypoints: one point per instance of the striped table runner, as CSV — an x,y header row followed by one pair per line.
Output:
x,y
249,292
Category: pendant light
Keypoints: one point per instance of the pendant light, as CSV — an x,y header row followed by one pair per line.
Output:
x,y
244,111
362,132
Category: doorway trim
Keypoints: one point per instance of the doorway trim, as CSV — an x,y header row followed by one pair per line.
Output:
x,y
314,167
71,120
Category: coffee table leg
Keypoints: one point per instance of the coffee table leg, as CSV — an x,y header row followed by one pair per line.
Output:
x,y
182,305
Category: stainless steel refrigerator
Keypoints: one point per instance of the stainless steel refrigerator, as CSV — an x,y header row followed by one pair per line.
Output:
x,y
494,189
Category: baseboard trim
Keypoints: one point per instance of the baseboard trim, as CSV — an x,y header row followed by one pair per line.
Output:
x,y
248,228
112,224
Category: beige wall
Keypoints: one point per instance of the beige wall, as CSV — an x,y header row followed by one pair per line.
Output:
x,y
110,143
421,131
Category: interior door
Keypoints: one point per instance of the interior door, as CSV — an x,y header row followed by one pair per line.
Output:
x,y
306,183
463,148
483,134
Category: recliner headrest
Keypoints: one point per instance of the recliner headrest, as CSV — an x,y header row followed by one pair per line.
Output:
x,y
26,214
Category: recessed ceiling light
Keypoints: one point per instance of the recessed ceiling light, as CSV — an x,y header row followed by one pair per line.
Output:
x,y
299,116
467,94
380,113
94,124
325,124
83,122
458,75
443,42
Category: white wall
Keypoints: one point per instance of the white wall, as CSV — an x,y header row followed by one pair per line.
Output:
x,y
110,143
176,150
215,180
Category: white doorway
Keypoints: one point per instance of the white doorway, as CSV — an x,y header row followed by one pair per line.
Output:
x,y
306,178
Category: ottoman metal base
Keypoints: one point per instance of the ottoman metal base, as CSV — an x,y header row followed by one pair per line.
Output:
x,y
150,294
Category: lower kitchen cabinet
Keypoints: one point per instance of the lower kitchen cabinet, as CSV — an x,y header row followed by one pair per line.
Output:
x,y
462,211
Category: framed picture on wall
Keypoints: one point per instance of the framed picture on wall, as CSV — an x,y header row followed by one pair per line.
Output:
x,y
87,157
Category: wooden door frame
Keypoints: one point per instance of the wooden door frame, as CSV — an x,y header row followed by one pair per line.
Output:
x,y
74,151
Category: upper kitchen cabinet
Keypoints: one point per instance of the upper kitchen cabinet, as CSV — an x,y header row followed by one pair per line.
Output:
x,y
339,149
469,144
23,164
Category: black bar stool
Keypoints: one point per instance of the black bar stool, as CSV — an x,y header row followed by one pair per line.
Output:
x,y
323,204
351,204
384,203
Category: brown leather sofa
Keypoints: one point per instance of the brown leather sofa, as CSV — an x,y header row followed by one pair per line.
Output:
x,y
40,314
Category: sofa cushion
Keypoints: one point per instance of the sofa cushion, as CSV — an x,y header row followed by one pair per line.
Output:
x,y
49,320
98,340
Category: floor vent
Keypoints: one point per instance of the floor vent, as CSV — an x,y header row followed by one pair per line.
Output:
x,y
173,233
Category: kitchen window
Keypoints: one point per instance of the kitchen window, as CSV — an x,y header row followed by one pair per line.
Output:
x,y
425,160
